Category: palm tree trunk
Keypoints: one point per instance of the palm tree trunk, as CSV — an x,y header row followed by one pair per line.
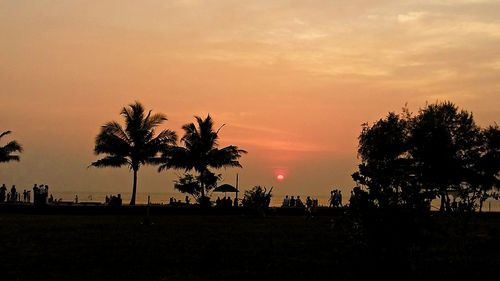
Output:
x,y
442,205
202,190
132,200
202,183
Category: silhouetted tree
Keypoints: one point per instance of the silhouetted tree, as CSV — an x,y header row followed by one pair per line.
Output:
x,y
6,151
200,152
441,143
382,149
410,160
135,144
190,184
258,199
485,178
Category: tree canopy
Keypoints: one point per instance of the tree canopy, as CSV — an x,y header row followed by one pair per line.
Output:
x,y
410,160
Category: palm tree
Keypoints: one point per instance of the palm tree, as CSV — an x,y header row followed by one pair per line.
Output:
x,y
200,152
136,144
7,150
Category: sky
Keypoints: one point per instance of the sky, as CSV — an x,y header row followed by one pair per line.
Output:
x,y
292,80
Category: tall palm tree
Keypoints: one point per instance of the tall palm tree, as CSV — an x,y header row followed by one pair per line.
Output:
x,y
201,151
7,150
136,144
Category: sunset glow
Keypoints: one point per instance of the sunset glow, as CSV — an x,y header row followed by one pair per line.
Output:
x,y
292,80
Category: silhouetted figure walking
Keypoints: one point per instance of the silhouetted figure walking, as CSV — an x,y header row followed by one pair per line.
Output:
x,y
332,199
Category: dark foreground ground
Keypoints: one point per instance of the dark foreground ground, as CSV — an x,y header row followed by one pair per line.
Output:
x,y
243,247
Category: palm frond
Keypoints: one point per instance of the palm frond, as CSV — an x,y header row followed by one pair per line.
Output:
x,y
166,136
177,158
114,128
161,143
12,146
107,142
154,120
226,157
111,161
134,116
7,150
206,131
8,158
5,133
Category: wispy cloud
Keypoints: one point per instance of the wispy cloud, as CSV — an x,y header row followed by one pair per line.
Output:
x,y
410,16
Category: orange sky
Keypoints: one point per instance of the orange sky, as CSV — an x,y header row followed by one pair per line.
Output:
x,y
293,80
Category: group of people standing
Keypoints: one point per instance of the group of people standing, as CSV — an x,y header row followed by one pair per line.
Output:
x,y
176,202
226,202
40,194
297,202
112,200
12,196
292,202
335,199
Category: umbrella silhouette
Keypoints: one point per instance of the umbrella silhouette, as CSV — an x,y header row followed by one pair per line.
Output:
x,y
225,188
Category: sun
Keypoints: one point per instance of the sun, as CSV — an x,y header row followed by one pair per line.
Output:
x,y
280,177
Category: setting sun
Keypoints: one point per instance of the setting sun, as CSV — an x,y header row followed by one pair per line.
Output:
x,y
280,177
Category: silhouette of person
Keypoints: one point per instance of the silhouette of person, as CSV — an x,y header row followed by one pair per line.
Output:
x,y
13,193
3,191
298,202
286,201
309,204
332,199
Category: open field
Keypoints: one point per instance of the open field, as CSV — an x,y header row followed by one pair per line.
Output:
x,y
239,247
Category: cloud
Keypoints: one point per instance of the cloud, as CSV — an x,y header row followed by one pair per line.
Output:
x,y
410,16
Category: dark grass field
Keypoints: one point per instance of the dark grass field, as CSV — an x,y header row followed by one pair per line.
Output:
x,y
237,247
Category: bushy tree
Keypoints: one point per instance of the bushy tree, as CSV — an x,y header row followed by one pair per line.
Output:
x,y
410,160
257,197
191,184
442,142
382,149
484,177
